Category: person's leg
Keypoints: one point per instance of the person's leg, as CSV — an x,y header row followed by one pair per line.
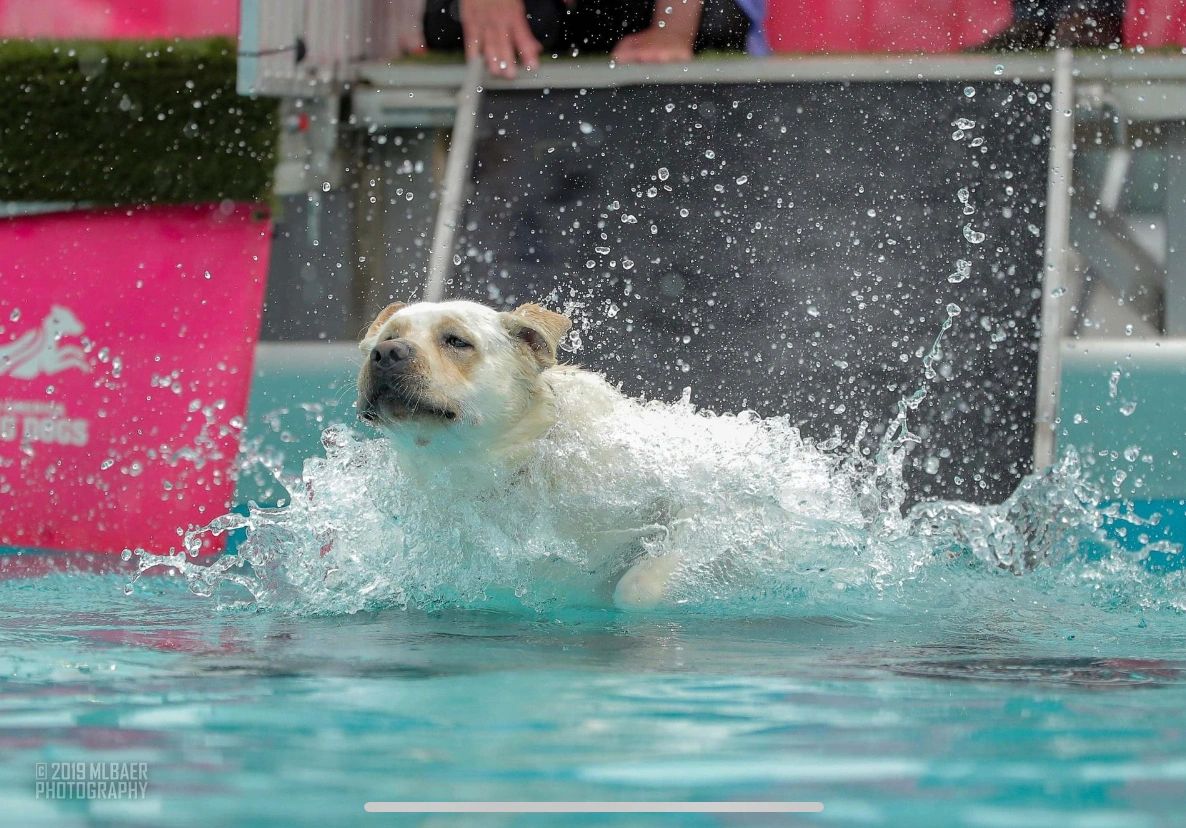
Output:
x,y
723,27
597,25
1090,24
1043,24
442,23
1040,11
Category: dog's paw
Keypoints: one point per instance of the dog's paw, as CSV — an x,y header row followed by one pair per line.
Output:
x,y
645,585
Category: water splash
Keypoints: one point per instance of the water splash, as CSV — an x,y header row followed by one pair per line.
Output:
x,y
764,520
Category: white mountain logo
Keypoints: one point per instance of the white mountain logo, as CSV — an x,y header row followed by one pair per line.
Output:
x,y
41,351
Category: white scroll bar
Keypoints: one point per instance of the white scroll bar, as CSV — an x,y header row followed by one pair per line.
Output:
x,y
594,807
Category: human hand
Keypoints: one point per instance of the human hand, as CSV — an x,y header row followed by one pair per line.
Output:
x,y
497,32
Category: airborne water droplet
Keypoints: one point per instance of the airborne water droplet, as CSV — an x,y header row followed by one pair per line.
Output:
x,y
969,91
1113,384
974,236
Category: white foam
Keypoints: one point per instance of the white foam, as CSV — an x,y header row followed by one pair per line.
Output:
x,y
763,517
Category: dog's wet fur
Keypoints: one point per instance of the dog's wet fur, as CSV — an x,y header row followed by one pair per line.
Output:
x,y
465,393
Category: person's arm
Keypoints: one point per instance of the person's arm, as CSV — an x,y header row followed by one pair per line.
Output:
x,y
497,32
669,38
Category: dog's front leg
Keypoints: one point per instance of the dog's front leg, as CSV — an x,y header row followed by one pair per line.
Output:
x,y
645,584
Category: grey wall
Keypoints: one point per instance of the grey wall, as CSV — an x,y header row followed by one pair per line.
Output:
x,y
792,257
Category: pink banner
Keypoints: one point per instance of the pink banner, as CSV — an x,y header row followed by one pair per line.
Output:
x,y
837,26
1156,23
126,341
118,18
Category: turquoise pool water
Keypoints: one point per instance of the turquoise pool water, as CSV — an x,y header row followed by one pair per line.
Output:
x,y
902,678
1025,714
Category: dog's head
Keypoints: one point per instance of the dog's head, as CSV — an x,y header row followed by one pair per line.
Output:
x,y
435,367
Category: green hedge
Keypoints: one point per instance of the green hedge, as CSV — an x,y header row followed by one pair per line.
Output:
x,y
130,122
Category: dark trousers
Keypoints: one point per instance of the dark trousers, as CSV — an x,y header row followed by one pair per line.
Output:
x,y
592,25
1052,10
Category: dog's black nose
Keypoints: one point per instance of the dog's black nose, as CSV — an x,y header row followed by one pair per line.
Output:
x,y
391,356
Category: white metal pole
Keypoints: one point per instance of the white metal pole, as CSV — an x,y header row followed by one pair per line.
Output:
x,y
1054,275
456,183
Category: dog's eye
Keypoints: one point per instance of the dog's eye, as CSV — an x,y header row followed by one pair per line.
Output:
x,y
454,341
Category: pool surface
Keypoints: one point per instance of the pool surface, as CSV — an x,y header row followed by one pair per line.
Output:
x,y
1026,715
891,670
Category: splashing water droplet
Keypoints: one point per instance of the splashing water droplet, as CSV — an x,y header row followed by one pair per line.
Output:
x,y
664,173
974,236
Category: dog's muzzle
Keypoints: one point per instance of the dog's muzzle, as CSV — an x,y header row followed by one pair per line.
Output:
x,y
393,394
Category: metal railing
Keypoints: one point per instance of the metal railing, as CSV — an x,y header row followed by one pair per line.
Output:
x,y
297,48
363,39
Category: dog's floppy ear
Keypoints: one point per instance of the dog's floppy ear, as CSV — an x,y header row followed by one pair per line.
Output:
x,y
539,329
383,316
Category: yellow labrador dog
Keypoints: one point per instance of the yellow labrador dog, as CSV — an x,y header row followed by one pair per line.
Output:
x,y
466,394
